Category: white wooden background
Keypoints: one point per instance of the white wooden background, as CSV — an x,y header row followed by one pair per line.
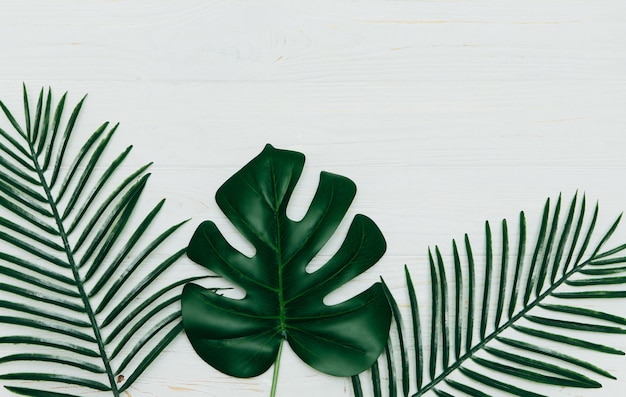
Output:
x,y
444,113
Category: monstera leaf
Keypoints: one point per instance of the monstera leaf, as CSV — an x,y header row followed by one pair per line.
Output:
x,y
514,322
79,305
283,301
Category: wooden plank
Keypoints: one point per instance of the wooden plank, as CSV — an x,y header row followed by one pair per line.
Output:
x,y
445,114
357,41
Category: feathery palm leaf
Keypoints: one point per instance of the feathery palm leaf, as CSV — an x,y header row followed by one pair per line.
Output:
x,y
495,327
76,294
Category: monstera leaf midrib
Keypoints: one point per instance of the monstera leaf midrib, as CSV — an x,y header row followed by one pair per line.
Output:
x,y
276,247
280,264
328,279
283,301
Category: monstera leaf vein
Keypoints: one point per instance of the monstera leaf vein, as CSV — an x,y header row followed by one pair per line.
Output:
x,y
283,300
321,277
236,270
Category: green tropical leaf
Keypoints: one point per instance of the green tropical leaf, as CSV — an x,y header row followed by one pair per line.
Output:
x,y
508,335
284,301
77,292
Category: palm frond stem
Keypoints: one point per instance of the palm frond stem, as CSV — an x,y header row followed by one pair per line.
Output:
x,y
508,324
74,266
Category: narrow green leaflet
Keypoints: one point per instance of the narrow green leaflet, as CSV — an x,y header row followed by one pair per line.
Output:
x,y
283,301
511,321
78,290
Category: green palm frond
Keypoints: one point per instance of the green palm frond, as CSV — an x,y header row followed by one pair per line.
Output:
x,y
501,325
79,304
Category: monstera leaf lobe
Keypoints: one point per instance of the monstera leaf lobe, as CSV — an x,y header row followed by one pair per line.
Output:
x,y
283,301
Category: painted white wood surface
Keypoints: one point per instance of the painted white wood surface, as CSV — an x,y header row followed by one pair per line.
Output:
x,y
444,113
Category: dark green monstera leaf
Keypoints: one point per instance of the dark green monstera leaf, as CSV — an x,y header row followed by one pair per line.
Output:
x,y
243,337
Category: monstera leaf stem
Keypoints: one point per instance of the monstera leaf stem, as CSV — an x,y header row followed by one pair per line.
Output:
x,y
281,297
74,267
276,370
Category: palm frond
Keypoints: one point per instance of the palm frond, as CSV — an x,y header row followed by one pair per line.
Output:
x,y
501,325
78,290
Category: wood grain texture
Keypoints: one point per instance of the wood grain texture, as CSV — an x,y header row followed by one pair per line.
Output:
x,y
444,113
